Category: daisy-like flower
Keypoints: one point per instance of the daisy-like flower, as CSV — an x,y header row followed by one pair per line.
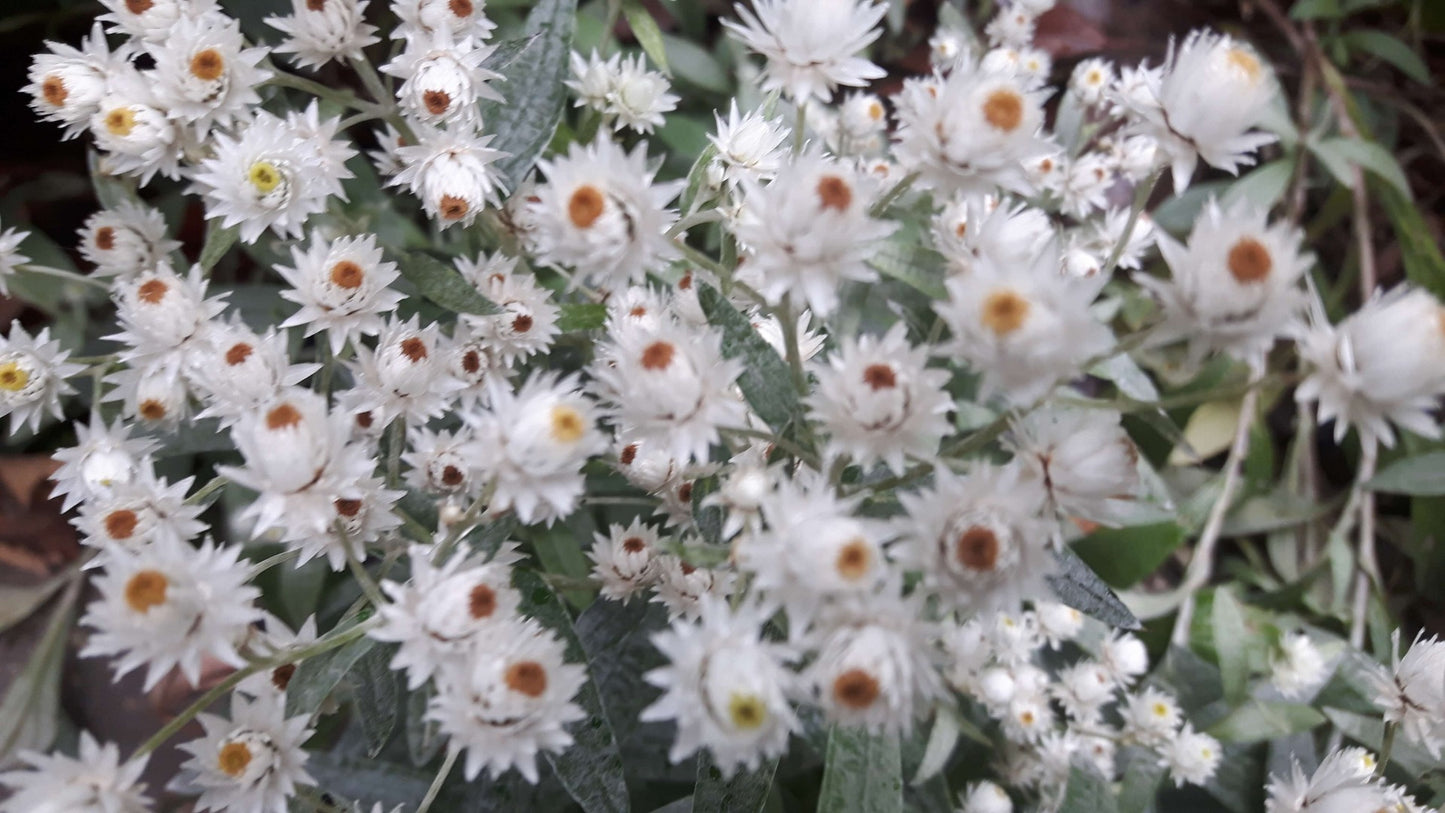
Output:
x,y
972,131
748,146
133,128
270,176
443,79
1383,365
318,31
152,391
161,312
234,370
94,780
1297,667
356,522
670,386
528,321
102,458
463,18
1083,460
451,171
601,214
253,762
639,97
341,286
445,611
973,227
1150,716
204,75
406,375
1024,328
152,20
139,512
811,46
725,686
1212,90
878,401
10,256
169,605
33,373
510,701
273,639
978,539
1235,287
683,588
593,79
809,231
533,441
67,84
300,463
471,360
126,241
1083,689
986,797
1345,780
438,462
1412,694
1191,757
624,559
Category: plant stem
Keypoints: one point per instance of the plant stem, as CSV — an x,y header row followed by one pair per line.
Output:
x,y
1141,199
1368,569
369,586
273,560
441,777
1201,566
1387,744
206,490
396,438
68,276
788,323
799,127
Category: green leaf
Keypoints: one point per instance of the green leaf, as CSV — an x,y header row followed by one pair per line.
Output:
x,y
219,240
1339,154
1264,186
1421,476
1088,792
535,95
1141,780
745,791
424,739
649,36
17,602
444,285
693,63
377,697
1230,638
1392,50
580,316
591,769
1193,680
110,190
317,677
942,738
904,257
1316,10
31,705
1264,720
1424,264
863,773
1123,556
766,381
1081,588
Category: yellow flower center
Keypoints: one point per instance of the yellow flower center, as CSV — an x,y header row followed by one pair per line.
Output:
x,y
1161,710
1246,62
747,711
567,424
265,176
120,121
1004,311
13,377
234,758
146,589
854,560
1004,110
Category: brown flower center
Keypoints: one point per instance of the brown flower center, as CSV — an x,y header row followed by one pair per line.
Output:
x,y
880,377
436,102
138,6
684,492
471,361
1004,110
522,323
633,544
105,238
629,454
239,352
1004,311
1249,261
120,524
53,89
855,689
453,207
482,602
461,8
284,416
208,65
347,274
281,676
834,193
658,356
977,549
527,677
452,476
146,589
152,291
347,507
152,410
413,348
585,206
854,560
315,5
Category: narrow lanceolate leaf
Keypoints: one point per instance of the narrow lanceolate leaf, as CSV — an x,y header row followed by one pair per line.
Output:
x,y
1264,720
766,381
745,792
1424,264
535,95
1420,476
1081,588
649,36
377,696
863,774
424,739
444,285
1230,640
219,240
110,190
318,676
1088,792
31,705
579,316
591,769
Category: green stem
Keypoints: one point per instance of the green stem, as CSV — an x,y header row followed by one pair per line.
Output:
x,y
799,127
898,190
395,440
1141,199
788,322
206,490
368,584
441,777
271,561
1386,746
68,276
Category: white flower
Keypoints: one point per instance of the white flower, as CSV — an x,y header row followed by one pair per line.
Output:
x,y
748,146
161,312
725,687
102,458
275,639
593,79
1124,656
1150,716
318,32
356,521
152,390
1083,688
271,175
93,780
341,286
252,762
878,401
438,462
683,588
670,386
1024,328
1413,694
1235,287
971,131
443,79
33,373
1083,459
1191,757
235,370
67,84
1057,623
1298,667
986,797
1212,90
443,612
1344,782
10,256
639,97
809,231
204,75
528,321
601,214
463,18
406,375
810,45
533,441
126,241
971,227
623,559
136,513
152,20
512,700
977,538
169,605
131,125
452,172
1090,79
875,670
1384,364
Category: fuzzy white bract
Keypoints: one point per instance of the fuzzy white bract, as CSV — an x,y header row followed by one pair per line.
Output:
x,y
811,46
